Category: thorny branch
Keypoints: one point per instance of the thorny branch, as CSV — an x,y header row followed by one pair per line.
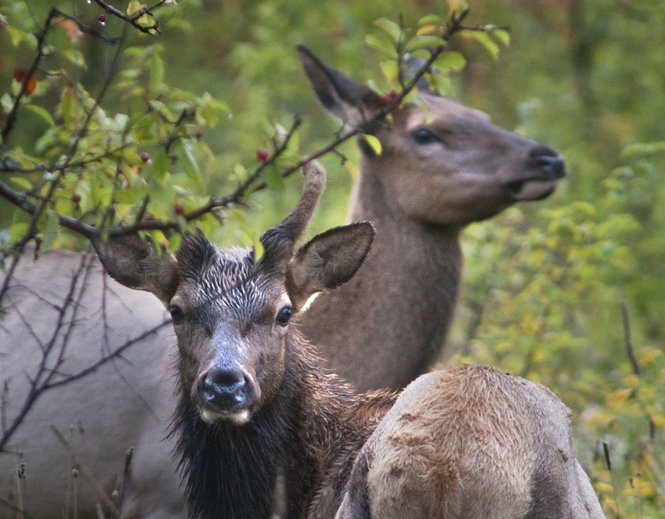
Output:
x,y
251,184
21,199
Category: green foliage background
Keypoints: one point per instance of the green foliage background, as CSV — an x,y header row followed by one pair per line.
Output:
x,y
564,291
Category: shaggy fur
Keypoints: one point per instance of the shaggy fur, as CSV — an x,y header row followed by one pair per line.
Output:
x,y
309,435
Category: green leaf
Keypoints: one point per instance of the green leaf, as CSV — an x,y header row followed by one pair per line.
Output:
x,y
427,30
6,102
484,39
67,107
390,28
457,6
430,19
162,109
258,247
424,42
190,164
273,177
17,230
373,142
156,74
210,109
15,35
134,7
144,128
389,70
22,183
175,241
640,149
75,57
450,61
502,36
381,44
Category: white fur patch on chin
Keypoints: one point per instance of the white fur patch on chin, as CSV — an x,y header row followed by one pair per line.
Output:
x,y
536,189
239,418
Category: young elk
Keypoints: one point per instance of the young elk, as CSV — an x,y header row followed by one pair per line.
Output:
x,y
442,166
471,442
263,429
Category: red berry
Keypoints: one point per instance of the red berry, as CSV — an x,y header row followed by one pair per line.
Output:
x,y
392,95
101,19
76,198
262,155
383,100
178,209
145,156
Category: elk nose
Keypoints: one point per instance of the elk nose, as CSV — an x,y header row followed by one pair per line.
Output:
x,y
223,388
549,161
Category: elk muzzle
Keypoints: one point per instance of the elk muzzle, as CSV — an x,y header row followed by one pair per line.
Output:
x,y
225,393
545,168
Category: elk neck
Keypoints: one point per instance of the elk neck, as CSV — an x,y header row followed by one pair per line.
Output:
x,y
404,293
294,440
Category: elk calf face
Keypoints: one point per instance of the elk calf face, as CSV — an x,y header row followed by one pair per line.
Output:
x,y
231,313
230,317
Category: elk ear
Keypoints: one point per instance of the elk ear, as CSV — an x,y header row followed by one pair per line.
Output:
x,y
347,100
135,263
327,261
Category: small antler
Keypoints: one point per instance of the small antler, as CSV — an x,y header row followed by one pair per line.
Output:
x,y
279,241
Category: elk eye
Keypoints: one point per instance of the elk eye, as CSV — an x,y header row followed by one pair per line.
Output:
x,y
177,314
424,136
284,315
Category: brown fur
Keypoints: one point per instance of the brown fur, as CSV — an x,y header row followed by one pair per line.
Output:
x,y
471,442
396,308
419,197
257,410
254,404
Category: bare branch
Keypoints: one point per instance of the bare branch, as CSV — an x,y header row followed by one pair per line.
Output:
x,y
627,338
48,373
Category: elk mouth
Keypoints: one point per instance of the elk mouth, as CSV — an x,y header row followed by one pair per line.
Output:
x,y
238,417
531,188
547,169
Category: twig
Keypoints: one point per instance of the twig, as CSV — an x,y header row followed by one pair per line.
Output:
x,y
48,375
133,19
250,184
99,490
630,353
627,338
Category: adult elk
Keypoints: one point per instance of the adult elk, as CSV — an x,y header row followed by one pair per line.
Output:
x,y
442,166
64,313
263,429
